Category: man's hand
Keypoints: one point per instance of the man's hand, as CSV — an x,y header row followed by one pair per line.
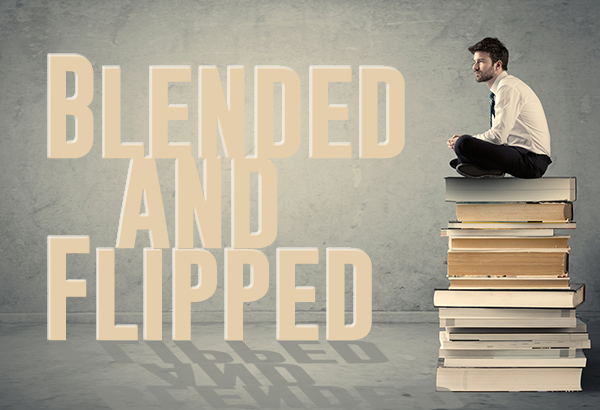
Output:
x,y
452,141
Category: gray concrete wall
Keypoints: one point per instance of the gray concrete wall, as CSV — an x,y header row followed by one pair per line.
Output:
x,y
392,209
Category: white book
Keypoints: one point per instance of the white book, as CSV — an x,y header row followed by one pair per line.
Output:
x,y
511,250
508,379
559,343
549,189
499,317
457,232
577,333
490,353
531,360
523,298
507,313
508,322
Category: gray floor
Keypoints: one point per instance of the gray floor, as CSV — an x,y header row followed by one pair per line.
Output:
x,y
393,368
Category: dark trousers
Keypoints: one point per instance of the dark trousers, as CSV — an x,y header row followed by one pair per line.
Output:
x,y
515,161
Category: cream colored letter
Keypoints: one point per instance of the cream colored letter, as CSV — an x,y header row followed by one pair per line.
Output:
x,y
183,293
288,294
337,259
112,147
370,77
59,106
241,237
105,300
213,108
59,287
152,294
264,79
321,112
161,111
236,294
190,202
142,182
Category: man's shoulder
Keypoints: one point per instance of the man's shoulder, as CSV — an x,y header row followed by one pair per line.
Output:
x,y
511,87
510,82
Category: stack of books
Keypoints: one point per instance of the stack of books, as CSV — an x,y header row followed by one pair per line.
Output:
x,y
508,317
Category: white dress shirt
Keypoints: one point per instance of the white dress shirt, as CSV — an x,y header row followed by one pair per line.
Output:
x,y
519,117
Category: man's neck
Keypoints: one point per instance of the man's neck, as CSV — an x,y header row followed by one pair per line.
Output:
x,y
491,81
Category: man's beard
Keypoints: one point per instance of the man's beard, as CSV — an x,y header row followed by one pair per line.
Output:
x,y
484,76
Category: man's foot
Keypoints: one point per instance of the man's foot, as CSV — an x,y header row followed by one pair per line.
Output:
x,y
454,163
473,171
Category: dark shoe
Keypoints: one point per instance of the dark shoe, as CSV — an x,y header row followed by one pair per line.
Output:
x,y
454,163
473,171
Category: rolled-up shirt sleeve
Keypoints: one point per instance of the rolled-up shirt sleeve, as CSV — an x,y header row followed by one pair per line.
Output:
x,y
507,108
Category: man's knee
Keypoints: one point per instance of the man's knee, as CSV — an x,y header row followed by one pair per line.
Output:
x,y
463,144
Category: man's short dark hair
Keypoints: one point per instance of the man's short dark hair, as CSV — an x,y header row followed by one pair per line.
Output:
x,y
496,49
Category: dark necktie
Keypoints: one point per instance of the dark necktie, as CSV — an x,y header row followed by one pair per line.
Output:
x,y
492,105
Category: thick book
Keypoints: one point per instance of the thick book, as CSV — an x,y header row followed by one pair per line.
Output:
x,y
508,262
534,298
515,212
549,189
507,242
505,282
513,358
510,379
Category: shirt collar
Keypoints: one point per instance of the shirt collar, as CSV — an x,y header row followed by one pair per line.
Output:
x,y
494,88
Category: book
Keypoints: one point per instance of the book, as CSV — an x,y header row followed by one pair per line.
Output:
x,y
507,242
458,232
511,225
506,282
549,189
508,379
535,298
577,332
552,353
517,313
508,322
453,358
515,212
509,318
559,343
508,262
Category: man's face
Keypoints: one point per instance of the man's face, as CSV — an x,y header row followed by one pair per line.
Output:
x,y
483,67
